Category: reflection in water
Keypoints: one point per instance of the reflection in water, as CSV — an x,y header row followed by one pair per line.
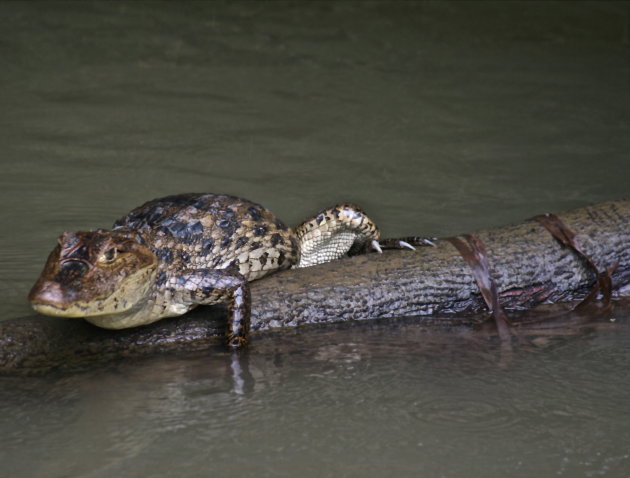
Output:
x,y
237,374
242,380
382,398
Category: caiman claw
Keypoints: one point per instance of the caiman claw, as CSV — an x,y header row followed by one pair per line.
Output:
x,y
376,246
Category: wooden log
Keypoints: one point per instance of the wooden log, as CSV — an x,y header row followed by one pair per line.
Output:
x,y
528,265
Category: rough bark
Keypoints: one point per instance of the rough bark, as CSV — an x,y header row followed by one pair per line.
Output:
x,y
528,265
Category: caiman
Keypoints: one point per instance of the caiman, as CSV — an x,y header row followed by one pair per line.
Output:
x,y
174,253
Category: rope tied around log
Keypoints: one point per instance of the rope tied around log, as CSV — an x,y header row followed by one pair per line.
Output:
x,y
474,253
561,232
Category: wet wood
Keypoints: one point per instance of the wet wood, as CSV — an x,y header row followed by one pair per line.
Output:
x,y
528,265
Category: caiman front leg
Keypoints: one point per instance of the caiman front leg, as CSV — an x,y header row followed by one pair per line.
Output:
x,y
212,286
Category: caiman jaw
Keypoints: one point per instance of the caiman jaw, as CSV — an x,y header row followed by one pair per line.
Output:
x,y
50,298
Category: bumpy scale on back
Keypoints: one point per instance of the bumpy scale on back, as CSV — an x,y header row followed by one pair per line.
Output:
x,y
172,254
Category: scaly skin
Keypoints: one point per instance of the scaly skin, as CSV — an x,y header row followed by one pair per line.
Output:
x,y
174,253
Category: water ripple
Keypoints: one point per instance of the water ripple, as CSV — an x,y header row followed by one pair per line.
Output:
x,y
474,415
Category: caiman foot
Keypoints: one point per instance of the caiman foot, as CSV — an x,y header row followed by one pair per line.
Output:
x,y
402,243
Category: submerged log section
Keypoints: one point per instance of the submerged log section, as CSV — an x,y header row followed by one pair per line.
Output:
x,y
527,264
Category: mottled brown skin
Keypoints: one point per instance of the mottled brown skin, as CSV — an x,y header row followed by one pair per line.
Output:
x,y
174,253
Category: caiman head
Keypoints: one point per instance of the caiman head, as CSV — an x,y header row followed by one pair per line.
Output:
x,y
94,273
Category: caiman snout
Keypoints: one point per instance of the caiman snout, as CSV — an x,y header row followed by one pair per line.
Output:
x,y
58,292
46,296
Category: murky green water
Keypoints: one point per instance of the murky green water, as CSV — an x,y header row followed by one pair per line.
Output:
x,y
438,118
389,401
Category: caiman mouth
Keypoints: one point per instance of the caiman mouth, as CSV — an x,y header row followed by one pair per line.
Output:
x,y
54,311
50,298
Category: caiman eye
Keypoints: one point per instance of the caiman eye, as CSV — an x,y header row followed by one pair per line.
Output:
x,y
109,255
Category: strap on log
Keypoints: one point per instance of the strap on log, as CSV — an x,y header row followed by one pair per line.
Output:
x,y
560,231
474,253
